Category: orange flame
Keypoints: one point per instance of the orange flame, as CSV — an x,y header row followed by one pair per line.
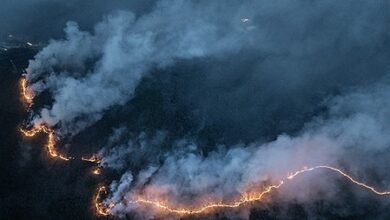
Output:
x,y
27,94
28,97
50,146
101,208
354,181
245,199
252,197
105,210
96,171
93,159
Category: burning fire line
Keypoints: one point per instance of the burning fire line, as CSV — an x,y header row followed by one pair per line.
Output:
x,y
102,209
92,159
27,95
28,98
50,146
105,210
245,199
51,149
351,179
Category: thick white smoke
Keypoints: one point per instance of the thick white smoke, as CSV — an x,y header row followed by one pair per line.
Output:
x,y
356,128
284,52
89,73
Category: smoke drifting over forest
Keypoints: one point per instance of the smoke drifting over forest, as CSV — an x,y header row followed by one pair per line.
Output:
x,y
192,101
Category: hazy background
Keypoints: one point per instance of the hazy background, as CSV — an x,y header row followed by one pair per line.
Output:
x,y
41,20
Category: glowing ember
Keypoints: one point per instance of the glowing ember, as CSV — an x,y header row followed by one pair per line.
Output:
x,y
96,171
253,197
245,199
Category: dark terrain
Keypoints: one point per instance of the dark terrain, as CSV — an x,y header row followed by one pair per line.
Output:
x,y
34,186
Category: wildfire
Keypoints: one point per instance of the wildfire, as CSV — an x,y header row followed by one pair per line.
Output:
x,y
245,199
96,171
105,210
101,208
50,146
27,94
28,97
306,169
93,159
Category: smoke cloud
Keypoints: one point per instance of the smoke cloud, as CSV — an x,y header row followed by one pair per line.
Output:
x,y
206,100
356,128
122,50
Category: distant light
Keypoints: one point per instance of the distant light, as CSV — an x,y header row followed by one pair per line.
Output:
x,y
10,35
29,44
244,19
5,49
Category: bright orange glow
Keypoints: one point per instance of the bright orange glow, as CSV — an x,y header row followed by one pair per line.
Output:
x,y
105,210
93,159
96,171
27,94
306,169
245,199
250,197
50,146
28,97
101,208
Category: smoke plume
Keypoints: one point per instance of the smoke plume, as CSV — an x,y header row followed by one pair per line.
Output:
x,y
121,52
356,127
208,100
